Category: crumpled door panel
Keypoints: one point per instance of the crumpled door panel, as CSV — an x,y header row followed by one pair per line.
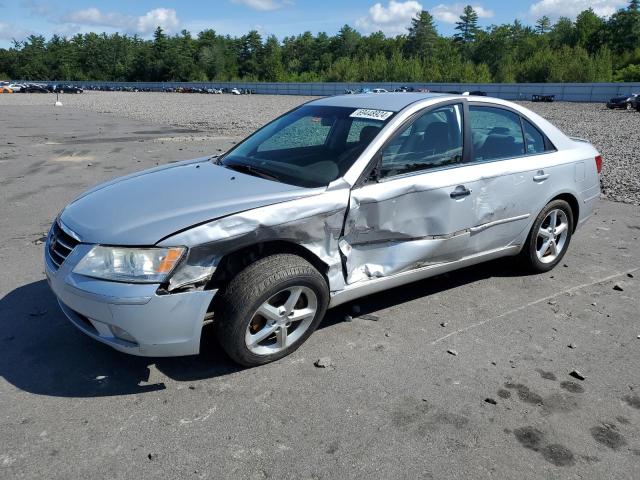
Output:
x,y
404,224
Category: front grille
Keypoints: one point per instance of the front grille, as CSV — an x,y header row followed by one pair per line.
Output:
x,y
59,245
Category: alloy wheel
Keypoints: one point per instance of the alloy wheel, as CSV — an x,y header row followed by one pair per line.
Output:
x,y
281,320
552,236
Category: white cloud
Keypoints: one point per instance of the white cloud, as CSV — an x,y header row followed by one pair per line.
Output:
x,y
451,13
571,8
264,5
392,19
158,17
9,32
144,24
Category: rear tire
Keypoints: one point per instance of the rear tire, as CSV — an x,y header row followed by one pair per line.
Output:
x,y
549,237
269,309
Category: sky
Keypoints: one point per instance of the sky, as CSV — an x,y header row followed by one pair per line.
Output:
x,y
20,18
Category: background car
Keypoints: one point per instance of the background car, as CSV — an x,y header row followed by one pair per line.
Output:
x,y
5,89
16,87
68,89
34,88
626,102
543,98
235,91
380,90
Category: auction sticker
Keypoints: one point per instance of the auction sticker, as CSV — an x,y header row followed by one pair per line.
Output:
x,y
371,114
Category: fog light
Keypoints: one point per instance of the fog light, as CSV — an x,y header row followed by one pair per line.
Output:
x,y
122,334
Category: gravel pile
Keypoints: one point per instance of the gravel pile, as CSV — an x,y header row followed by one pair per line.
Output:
x,y
615,133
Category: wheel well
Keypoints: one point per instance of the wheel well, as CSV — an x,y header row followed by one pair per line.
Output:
x,y
573,203
233,263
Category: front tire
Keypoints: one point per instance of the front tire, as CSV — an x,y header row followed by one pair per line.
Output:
x,y
269,309
549,237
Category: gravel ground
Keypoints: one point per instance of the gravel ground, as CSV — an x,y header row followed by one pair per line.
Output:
x,y
613,132
390,403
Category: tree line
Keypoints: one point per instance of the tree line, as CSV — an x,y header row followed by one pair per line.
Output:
x,y
589,49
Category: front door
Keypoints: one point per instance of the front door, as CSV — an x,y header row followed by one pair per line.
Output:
x,y
423,204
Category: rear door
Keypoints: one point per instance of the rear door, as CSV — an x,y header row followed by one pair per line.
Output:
x,y
423,203
512,155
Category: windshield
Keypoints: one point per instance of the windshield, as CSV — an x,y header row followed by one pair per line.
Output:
x,y
308,147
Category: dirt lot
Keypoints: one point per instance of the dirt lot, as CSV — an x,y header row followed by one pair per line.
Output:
x,y
393,404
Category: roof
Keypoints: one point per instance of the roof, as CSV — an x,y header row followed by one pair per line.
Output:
x,y
392,101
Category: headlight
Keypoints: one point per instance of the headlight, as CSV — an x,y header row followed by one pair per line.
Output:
x,y
136,265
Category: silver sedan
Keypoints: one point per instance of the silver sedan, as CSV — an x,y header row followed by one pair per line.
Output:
x,y
340,198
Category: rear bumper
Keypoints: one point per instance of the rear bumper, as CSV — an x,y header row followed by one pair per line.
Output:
x,y
131,318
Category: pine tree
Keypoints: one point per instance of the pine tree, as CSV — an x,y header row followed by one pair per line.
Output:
x,y
422,36
634,5
543,25
467,26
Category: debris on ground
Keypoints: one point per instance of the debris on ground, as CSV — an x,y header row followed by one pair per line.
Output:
x,y
370,317
40,240
452,352
348,318
577,374
323,362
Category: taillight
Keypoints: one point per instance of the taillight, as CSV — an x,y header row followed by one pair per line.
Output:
x,y
599,163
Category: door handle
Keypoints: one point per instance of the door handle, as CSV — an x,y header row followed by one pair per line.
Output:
x,y
540,176
459,192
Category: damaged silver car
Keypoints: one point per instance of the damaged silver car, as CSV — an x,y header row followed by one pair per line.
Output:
x,y
337,199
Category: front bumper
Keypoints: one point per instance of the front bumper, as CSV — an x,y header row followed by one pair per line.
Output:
x,y
155,325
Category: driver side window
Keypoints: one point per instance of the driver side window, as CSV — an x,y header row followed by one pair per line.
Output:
x,y
432,140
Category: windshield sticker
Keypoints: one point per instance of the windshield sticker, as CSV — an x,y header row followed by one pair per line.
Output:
x,y
371,114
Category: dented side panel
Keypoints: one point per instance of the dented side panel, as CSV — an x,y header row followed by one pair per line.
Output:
x,y
313,222
406,223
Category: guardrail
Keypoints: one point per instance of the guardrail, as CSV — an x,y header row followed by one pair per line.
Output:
x,y
571,92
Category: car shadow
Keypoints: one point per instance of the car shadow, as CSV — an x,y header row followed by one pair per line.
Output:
x,y
43,353
366,306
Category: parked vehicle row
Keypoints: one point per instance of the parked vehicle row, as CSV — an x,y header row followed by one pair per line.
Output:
x,y
6,87
350,91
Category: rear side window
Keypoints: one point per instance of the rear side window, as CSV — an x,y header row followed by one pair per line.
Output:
x,y
533,137
496,132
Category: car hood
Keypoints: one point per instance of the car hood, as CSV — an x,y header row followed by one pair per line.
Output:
x,y
145,207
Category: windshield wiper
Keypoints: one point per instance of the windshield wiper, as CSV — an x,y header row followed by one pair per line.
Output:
x,y
251,170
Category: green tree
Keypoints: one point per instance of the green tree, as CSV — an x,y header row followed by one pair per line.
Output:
x,y
467,27
422,36
589,30
543,25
